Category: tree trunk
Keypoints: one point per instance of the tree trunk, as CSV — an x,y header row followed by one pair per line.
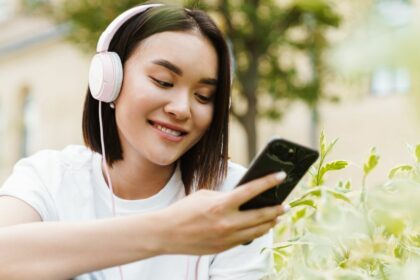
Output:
x,y
249,123
248,78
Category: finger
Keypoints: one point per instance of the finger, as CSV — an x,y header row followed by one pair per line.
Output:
x,y
245,192
251,218
249,234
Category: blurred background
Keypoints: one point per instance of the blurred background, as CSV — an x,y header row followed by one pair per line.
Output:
x,y
348,67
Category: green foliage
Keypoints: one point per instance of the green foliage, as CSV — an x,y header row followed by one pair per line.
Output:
x,y
329,234
407,170
344,186
86,20
322,168
415,151
372,162
398,169
417,154
330,166
368,166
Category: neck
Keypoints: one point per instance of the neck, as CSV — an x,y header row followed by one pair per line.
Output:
x,y
135,179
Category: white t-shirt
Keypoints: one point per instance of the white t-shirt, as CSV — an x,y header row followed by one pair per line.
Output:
x,y
68,185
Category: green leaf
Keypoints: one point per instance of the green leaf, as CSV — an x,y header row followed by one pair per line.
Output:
x,y
372,161
401,168
338,195
347,186
331,145
418,153
303,202
280,229
317,193
325,147
398,251
335,165
344,186
285,244
299,215
322,143
415,239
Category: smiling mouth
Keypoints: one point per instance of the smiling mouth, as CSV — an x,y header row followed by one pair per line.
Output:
x,y
167,130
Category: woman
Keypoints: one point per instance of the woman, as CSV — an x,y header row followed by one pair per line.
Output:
x,y
160,199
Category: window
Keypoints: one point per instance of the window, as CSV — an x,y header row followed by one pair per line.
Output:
x,y
6,10
396,13
28,122
390,81
394,16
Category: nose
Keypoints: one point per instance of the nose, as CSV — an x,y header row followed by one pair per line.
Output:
x,y
178,106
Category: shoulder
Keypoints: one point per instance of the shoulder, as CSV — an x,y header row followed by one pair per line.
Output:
x,y
48,161
40,179
47,168
234,174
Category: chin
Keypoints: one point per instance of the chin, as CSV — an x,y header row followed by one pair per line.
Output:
x,y
164,161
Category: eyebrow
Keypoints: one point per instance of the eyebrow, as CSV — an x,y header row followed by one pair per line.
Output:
x,y
175,69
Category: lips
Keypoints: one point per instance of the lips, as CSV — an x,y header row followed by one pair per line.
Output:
x,y
169,131
173,132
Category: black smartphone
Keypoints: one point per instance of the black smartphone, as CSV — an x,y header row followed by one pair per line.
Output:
x,y
278,155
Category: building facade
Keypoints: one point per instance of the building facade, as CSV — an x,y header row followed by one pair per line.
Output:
x,y
43,81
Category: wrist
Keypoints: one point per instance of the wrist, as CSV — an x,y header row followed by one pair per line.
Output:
x,y
155,233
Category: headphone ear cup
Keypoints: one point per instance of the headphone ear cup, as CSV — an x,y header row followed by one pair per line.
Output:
x,y
105,76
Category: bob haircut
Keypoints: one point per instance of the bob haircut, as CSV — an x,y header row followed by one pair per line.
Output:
x,y
204,166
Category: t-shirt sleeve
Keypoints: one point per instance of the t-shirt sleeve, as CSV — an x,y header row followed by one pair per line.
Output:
x,y
28,182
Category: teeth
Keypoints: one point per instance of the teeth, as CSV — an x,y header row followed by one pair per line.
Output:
x,y
168,131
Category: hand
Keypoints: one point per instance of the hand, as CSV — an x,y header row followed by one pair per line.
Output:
x,y
208,222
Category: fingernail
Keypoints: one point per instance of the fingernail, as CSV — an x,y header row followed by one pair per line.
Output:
x,y
281,175
278,220
286,208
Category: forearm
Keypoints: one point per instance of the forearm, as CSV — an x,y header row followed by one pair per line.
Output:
x,y
58,250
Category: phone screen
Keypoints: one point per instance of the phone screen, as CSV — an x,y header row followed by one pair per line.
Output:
x,y
278,155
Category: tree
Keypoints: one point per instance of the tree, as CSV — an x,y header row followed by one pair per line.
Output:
x,y
262,32
265,37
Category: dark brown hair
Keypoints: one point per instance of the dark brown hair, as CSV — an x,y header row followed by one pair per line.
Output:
x,y
204,166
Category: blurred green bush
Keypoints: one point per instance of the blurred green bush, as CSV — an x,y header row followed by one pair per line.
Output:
x,y
352,232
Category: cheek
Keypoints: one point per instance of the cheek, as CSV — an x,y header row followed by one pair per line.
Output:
x,y
136,89
127,107
204,117
135,98
132,108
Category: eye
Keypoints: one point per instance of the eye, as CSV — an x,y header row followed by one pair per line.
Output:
x,y
203,98
162,84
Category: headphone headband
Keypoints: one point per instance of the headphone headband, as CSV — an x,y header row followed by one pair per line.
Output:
x,y
108,34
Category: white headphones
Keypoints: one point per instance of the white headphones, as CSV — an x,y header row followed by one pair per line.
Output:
x,y
106,72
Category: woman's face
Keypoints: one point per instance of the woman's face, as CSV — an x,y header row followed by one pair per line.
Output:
x,y
166,101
